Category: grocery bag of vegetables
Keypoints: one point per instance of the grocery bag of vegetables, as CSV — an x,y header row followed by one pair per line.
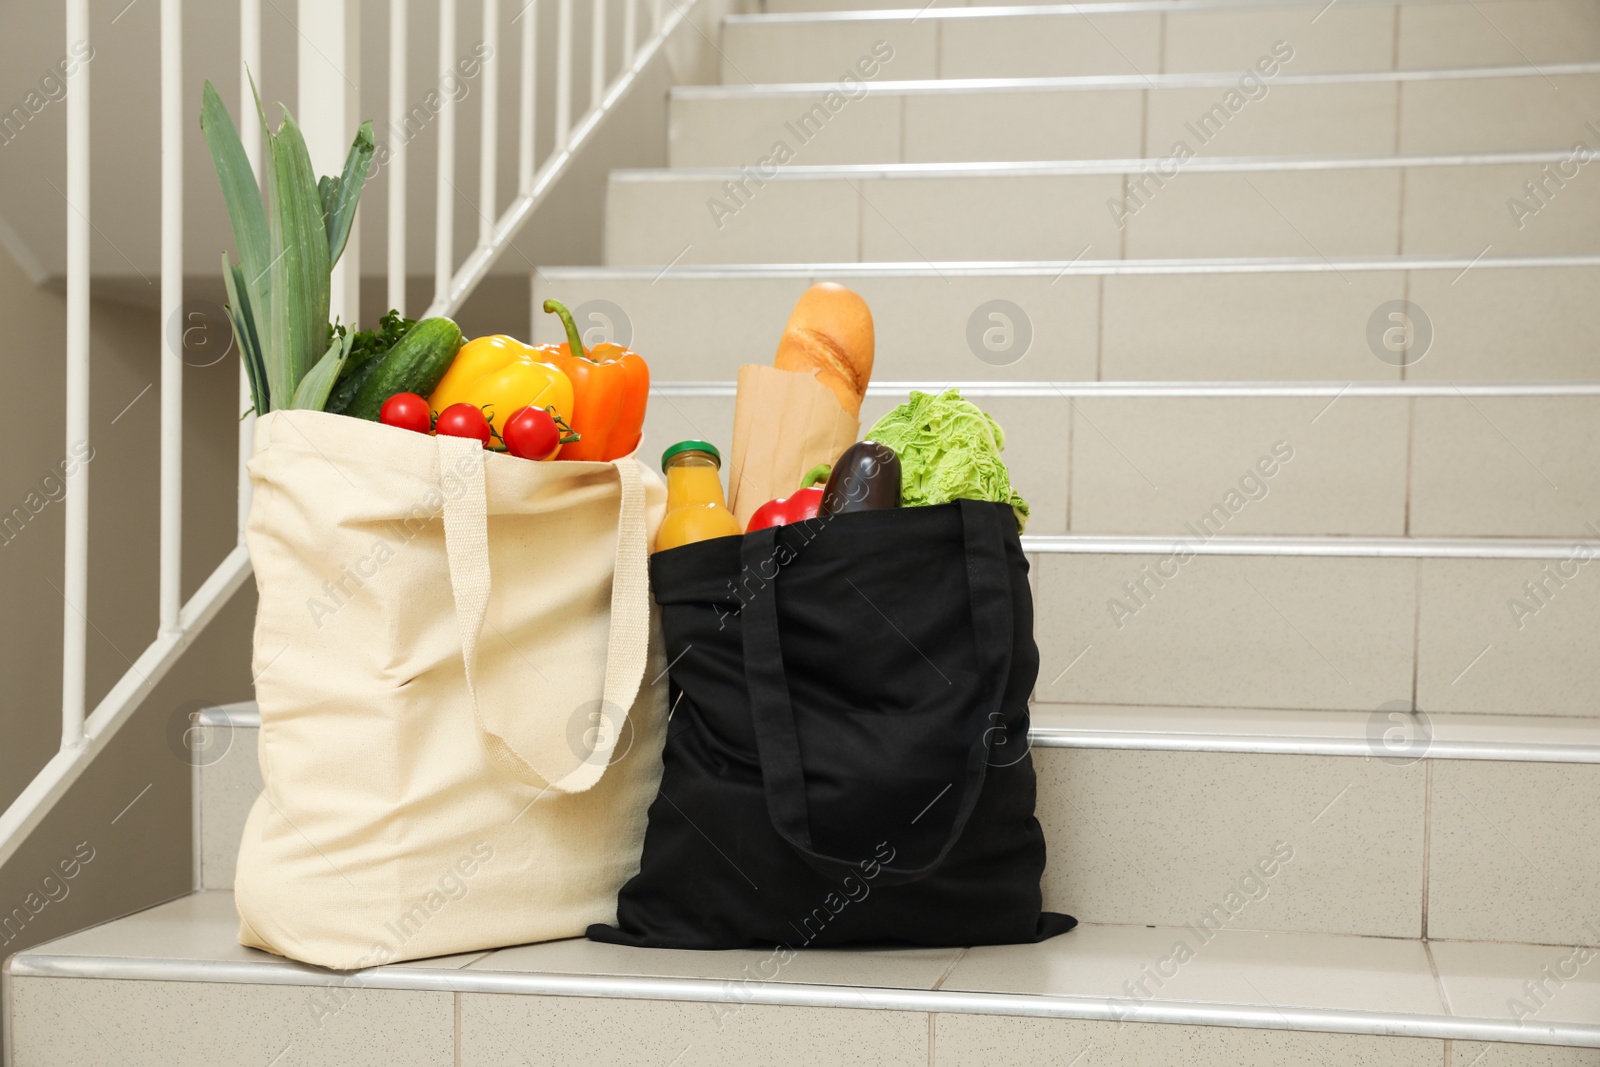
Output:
x,y
847,761
459,731
457,662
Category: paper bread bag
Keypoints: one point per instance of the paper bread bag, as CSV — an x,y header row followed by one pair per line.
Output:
x,y
784,423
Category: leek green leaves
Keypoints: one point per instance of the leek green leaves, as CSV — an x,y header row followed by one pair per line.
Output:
x,y
278,293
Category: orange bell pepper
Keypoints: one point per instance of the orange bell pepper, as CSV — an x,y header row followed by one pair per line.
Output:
x,y
610,388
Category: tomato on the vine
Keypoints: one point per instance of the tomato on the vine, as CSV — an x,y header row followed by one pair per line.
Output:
x,y
408,411
464,420
531,433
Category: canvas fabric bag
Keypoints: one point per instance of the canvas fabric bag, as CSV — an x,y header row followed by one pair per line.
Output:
x,y
848,761
462,692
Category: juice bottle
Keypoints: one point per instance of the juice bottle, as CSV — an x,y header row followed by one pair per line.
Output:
x,y
696,508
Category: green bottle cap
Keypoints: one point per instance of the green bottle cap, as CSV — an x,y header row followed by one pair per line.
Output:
x,y
692,446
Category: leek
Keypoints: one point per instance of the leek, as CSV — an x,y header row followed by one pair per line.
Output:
x,y
278,293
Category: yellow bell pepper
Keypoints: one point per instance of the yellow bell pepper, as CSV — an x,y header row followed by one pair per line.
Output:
x,y
501,374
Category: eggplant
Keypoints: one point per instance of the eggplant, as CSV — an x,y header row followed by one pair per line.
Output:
x,y
865,478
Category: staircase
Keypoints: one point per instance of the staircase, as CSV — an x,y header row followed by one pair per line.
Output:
x,y
1307,412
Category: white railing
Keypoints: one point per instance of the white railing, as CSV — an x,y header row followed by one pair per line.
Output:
x,y
325,29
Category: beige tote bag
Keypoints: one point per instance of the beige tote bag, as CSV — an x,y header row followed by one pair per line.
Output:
x,y
462,692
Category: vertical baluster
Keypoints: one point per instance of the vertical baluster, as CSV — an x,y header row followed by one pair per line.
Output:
x,y
530,69
397,135
172,125
563,74
328,77
489,136
597,55
75,626
444,223
630,31
250,134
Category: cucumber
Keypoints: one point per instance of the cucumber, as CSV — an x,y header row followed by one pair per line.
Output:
x,y
349,384
414,365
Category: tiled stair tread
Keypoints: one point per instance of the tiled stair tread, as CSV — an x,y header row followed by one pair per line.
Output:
x,y
1126,81
1047,115
1082,335
1201,729
201,928
1233,978
1075,167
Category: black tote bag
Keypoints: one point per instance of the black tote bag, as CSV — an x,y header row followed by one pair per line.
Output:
x,y
847,758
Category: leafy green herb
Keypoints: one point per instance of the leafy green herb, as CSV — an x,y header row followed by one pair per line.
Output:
x,y
367,350
366,344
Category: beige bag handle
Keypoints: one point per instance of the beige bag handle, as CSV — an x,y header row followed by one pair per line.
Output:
x,y
510,734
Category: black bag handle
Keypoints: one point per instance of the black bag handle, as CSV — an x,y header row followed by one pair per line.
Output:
x,y
778,744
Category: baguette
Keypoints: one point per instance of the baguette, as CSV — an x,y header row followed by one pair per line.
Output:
x,y
829,335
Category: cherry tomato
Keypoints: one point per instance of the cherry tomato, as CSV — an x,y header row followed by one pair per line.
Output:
x,y
408,411
531,433
464,420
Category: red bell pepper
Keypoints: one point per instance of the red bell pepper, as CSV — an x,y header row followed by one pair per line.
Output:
x,y
799,507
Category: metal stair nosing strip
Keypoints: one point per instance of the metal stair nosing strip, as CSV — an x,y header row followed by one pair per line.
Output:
x,y
1319,547
1102,82
1077,267
1181,1012
1084,11
1183,390
247,716
1297,745
1069,168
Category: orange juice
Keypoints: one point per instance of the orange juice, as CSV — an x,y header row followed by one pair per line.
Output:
x,y
696,508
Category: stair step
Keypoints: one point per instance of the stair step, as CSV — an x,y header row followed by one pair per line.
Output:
x,y
227,782
1304,318
1339,632
1146,807
1156,37
1235,994
1494,109
1378,848
1443,465
1111,209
